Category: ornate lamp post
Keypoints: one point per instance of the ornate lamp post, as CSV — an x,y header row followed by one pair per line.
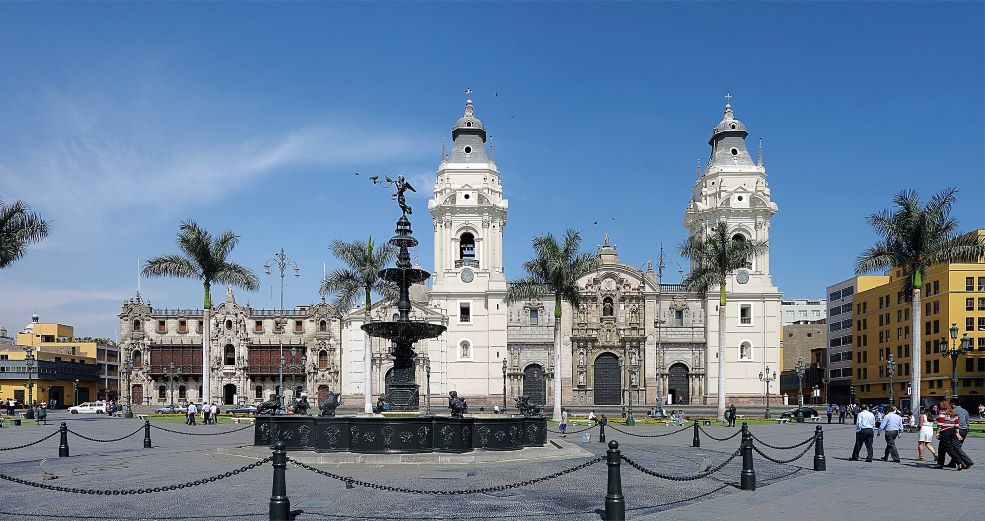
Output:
x,y
171,372
29,362
283,262
504,386
75,392
891,371
800,369
127,370
633,370
767,378
953,352
427,388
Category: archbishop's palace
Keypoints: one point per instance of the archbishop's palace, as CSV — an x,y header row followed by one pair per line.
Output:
x,y
630,327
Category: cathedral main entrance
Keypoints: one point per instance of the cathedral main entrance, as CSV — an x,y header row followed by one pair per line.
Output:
x,y
608,380
677,384
534,384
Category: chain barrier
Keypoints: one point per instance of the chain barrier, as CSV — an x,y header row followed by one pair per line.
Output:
x,y
617,429
141,429
783,462
801,444
29,444
736,433
699,475
126,492
201,433
572,432
350,482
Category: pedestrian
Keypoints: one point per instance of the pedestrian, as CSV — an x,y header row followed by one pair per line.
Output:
x,y
865,422
54,403
878,417
947,432
495,409
830,411
981,411
892,425
564,422
841,413
731,415
10,407
592,418
192,411
926,437
963,418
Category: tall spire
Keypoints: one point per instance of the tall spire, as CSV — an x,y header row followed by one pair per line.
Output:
x,y
443,153
491,156
699,168
760,160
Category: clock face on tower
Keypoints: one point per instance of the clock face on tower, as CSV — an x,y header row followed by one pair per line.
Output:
x,y
467,275
742,277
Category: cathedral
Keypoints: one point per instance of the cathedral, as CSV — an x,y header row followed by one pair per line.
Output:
x,y
632,333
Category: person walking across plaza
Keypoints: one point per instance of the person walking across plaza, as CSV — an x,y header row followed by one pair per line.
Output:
x,y
892,425
963,418
926,436
947,432
865,422
564,423
206,413
192,411
214,413
830,411
841,413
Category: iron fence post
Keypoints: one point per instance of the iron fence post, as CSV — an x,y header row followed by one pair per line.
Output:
x,y
280,504
696,442
615,503
819,462
748,480
147,443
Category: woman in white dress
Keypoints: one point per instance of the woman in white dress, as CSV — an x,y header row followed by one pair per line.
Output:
x,y
926,435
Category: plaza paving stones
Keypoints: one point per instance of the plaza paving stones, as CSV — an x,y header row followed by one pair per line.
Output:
x,y
792,490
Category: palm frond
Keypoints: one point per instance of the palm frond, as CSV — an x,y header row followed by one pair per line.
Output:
x,y
233,274
19,228
171,266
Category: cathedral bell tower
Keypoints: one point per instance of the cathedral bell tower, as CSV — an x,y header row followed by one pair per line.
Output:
x,y
469,214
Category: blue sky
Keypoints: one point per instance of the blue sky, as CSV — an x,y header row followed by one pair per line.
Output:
x,y
119,120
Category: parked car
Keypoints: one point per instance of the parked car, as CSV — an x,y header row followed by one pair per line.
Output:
x,y
171,409
97,407
242,409
809,412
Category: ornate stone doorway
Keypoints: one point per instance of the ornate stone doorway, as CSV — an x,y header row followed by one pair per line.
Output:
x,y
678,385
608,380
534,384
229,394
322,393
137,394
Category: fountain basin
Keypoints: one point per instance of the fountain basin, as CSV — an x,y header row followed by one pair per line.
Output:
x,y
402,434
403,331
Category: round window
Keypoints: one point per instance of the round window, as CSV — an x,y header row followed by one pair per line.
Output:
x,y
468,150
735,151
740,197
466,196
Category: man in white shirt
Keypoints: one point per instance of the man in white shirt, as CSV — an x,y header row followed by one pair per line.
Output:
x,y
892,425
192,411
865,422
213,412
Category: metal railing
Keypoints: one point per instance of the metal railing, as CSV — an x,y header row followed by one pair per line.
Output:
x,y
467,263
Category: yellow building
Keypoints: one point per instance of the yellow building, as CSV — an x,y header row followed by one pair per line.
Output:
x,y
953,294
63,369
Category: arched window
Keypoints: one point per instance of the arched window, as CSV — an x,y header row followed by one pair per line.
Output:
x,y
323,326
465,350
137,324
745,351
258,392
162,392
182,392
742,238
607,308
323,359
229,357
466,247
138,361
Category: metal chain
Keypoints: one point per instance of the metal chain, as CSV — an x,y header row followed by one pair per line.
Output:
x,y
29,444
201,433
571,432
795,458
350,482
125,492
699,475
617,429
106,441
801,444
736,433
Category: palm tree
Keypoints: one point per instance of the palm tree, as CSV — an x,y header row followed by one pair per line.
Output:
x,y
714,257
914,237
361,278
204,258
554,270
19,227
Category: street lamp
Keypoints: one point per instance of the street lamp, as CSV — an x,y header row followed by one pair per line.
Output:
x,y
891,371
504,386
75,392
767,379
953,352
427,388
127,370
800,369
29,361
633,369
171,372
283,262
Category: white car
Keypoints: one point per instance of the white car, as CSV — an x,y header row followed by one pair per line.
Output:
x,y
88,408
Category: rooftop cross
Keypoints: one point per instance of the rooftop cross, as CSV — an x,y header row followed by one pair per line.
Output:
x,y
728,98
468,93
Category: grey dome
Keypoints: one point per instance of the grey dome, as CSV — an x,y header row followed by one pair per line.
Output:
x,y
728,126
468,123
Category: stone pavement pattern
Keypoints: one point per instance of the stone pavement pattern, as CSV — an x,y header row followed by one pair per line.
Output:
x,y
792,490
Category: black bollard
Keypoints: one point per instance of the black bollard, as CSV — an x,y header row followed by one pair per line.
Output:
x,y
63,442
280,504
601,433
146,434
819,463
748,480
696,442
615,503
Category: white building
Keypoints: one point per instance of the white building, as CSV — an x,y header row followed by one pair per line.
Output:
x,y
800,310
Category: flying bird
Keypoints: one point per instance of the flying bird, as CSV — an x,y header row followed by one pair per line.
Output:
x,y
375,179
497,93
357,173
596,222
513,116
